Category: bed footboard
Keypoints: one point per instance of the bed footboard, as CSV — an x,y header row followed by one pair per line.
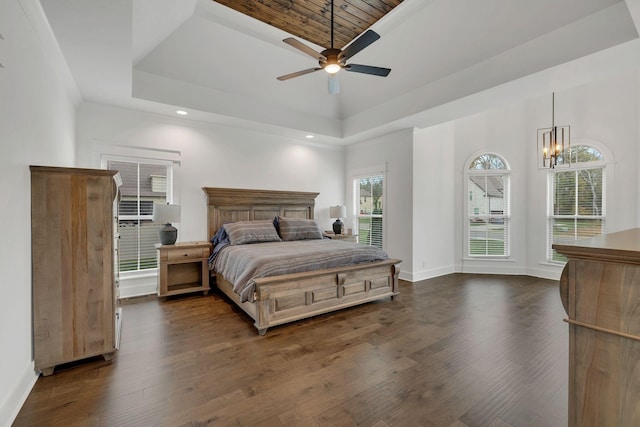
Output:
x,y
291,297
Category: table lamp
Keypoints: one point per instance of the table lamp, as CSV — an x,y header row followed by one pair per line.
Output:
x,y
166,214
337,212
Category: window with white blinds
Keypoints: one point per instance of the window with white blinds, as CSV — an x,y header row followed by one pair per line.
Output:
x,y
576,200
370,209
488,200
139,191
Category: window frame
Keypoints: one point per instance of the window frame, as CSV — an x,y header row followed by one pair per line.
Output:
x,y
490,217
576,166
169,167
355,179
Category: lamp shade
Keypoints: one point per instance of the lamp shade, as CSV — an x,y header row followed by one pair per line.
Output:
x,y
166,214
337,212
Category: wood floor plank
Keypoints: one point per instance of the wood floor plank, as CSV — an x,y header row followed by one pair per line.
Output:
x,y
459,350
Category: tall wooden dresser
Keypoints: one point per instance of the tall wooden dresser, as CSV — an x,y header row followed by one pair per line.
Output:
x,y
600,291
74,243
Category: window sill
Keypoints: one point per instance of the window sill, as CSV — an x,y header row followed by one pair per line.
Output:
x,y
152,272
500,259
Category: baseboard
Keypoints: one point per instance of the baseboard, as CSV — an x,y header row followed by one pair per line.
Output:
x,y
426,274
552,273
493,269
17,396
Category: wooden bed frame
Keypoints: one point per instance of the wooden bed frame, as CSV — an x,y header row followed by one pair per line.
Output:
x,y
291,297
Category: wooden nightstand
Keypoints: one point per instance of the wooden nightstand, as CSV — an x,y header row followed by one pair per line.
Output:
x,y
344,237
183,268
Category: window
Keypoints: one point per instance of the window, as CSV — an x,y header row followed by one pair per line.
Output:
x,y
144,183
488,222
576,199
369,206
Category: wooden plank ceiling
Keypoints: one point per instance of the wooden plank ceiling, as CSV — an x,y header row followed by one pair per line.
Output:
x,y
311,19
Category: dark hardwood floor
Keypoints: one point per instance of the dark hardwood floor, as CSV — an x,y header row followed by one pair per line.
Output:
x,y
458,350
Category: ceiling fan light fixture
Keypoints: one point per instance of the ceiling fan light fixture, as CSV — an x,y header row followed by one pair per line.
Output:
x,y
332,68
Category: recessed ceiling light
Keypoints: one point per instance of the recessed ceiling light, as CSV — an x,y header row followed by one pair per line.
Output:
x,y
181,112
309,136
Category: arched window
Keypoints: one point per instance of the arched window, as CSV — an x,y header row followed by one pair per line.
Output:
x,y
488,223
576,208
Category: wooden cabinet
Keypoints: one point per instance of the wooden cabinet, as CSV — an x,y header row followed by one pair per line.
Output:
x,y
74,280
600,291
183,268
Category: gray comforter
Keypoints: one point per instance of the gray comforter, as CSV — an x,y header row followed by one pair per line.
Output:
x,y
241,264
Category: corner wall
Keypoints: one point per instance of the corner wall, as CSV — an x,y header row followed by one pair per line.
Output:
x,y
394,152
433,202
37,122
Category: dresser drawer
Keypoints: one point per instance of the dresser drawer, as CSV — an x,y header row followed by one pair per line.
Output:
x,y
187,254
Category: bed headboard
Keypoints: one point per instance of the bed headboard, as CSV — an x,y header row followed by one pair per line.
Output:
x,y
233,204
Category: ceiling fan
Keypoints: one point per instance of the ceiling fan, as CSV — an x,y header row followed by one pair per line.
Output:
x,y
333,60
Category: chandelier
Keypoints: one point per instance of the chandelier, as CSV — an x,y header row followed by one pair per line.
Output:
x,y
554,142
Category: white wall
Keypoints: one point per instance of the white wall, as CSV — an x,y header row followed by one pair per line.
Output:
x,y
603,113
210,156
433,202
502,132
36,127
393,151
426,172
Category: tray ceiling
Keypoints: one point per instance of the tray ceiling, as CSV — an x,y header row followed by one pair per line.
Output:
x,y
450,58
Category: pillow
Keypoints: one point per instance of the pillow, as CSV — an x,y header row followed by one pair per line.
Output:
x,y
298,229
219,241
244,232
220,236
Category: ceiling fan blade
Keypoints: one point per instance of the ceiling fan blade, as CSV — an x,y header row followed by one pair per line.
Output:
x,y
334,85
304,48
298,73
360,43
368,69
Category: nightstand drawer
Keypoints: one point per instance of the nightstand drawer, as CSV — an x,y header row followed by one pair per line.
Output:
x,y
187,254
